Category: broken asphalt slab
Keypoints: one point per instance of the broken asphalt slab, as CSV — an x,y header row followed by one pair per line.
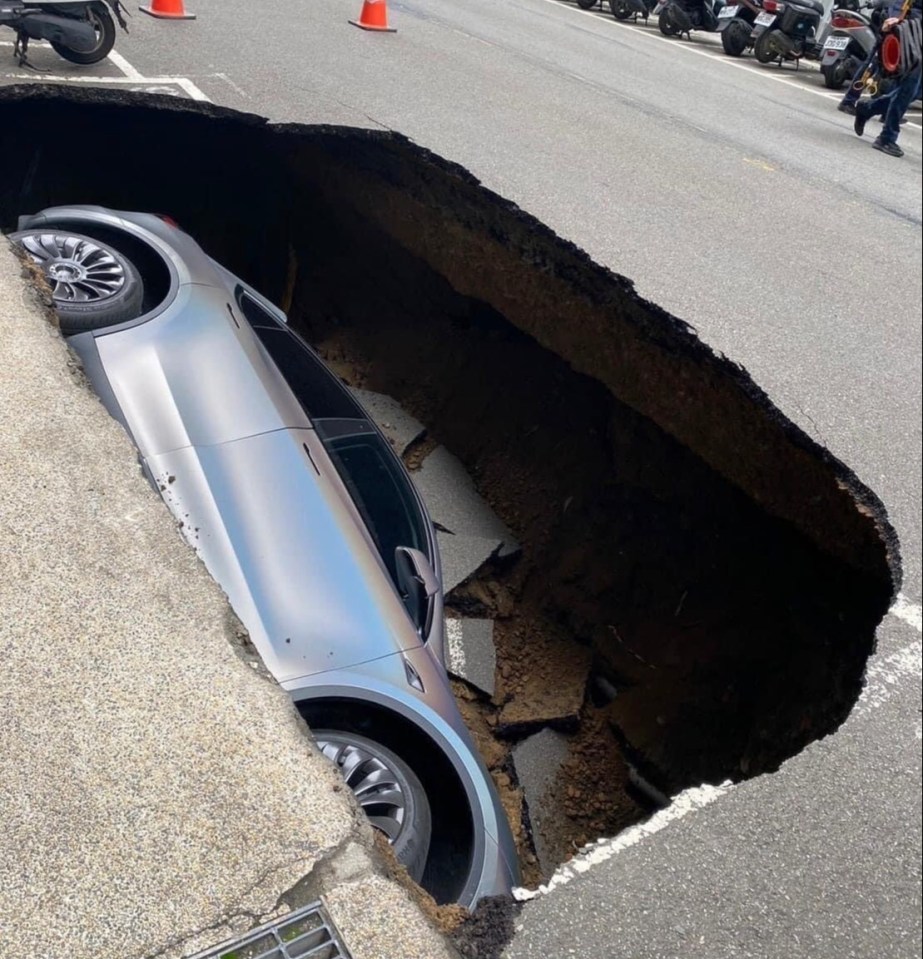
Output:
x,y
471,653
454,502
537,761
158,791
400,428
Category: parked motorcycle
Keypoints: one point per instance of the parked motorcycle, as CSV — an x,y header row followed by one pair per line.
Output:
x,y
623,9
678,17
735,24
81,31
789,30
850,42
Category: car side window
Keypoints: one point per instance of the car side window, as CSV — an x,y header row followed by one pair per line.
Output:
x,y
320,393
380,490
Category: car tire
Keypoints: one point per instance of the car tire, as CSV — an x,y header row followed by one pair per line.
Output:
x,y
92,284
388,792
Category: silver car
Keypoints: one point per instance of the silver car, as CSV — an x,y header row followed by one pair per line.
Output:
x,y
300,510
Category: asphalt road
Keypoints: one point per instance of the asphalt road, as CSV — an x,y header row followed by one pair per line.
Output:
x,y
737,197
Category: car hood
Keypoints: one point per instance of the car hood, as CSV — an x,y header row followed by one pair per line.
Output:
x,y
284,545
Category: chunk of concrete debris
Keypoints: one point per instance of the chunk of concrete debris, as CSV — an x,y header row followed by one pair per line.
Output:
x,y
463,556
537,761
548,687
399,427
454,502
470,652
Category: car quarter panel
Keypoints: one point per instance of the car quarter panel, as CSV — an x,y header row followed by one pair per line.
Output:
x,y
195,376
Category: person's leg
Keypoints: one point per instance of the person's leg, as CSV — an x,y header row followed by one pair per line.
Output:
x,y
901,98
876,107
857,85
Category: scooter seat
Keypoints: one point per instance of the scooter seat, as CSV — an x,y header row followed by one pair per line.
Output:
x,y
815,5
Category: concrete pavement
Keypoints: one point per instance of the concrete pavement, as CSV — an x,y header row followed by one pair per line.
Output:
x,y
158,791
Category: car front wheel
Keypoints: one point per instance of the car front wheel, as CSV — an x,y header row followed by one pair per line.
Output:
x,y
387,790
93,285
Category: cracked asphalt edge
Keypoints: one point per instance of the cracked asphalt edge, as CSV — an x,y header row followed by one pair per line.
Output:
x,y
158,793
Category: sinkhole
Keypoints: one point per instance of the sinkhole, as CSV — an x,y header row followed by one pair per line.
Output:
x,y
699,582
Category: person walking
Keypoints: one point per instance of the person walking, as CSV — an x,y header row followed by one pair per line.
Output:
x,y
892,10
893,105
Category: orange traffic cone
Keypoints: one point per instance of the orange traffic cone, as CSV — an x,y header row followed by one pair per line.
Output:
x,y
168,10
374,16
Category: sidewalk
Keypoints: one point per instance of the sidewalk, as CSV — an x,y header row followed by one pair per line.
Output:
x,y
158,792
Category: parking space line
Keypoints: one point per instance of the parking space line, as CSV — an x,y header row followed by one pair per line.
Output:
x,y
120,63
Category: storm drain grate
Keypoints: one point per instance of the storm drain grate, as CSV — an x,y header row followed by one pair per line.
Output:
x,y
308,933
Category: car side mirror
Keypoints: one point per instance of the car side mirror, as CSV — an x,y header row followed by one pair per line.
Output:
x,y
418,587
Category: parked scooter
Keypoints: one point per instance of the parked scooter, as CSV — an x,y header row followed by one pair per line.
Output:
x,y
735,24
849,44
81,31
623,9
790,30
678,17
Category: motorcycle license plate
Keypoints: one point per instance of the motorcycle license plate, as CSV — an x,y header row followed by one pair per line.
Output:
x,y
727,12
766,19
836,43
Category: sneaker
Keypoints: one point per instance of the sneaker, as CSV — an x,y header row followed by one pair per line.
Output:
x,y
844,106
892,149
860,122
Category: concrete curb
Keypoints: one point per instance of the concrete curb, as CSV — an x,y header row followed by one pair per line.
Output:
x,y
158,791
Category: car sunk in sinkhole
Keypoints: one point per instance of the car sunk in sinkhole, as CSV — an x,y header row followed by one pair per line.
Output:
x,y
301,511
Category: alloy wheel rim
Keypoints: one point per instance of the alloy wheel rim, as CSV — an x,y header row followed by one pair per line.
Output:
x,y
77,269
373,783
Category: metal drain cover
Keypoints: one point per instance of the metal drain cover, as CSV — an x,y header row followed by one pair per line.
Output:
x,y
308,933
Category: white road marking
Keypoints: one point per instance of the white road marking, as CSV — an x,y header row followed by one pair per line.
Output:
x,y
454,646
885,675
711,54
186,84
120,63
910,613
595,853
130,75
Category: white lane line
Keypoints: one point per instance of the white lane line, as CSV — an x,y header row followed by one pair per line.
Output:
x,y
120,63
598,852
910,613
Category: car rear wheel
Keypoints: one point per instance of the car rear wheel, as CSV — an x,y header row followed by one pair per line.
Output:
x,y
92,284
387,790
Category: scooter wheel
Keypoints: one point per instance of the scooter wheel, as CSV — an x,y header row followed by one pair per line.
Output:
x,y
104,26
665,22
765,47
735,38
619,9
